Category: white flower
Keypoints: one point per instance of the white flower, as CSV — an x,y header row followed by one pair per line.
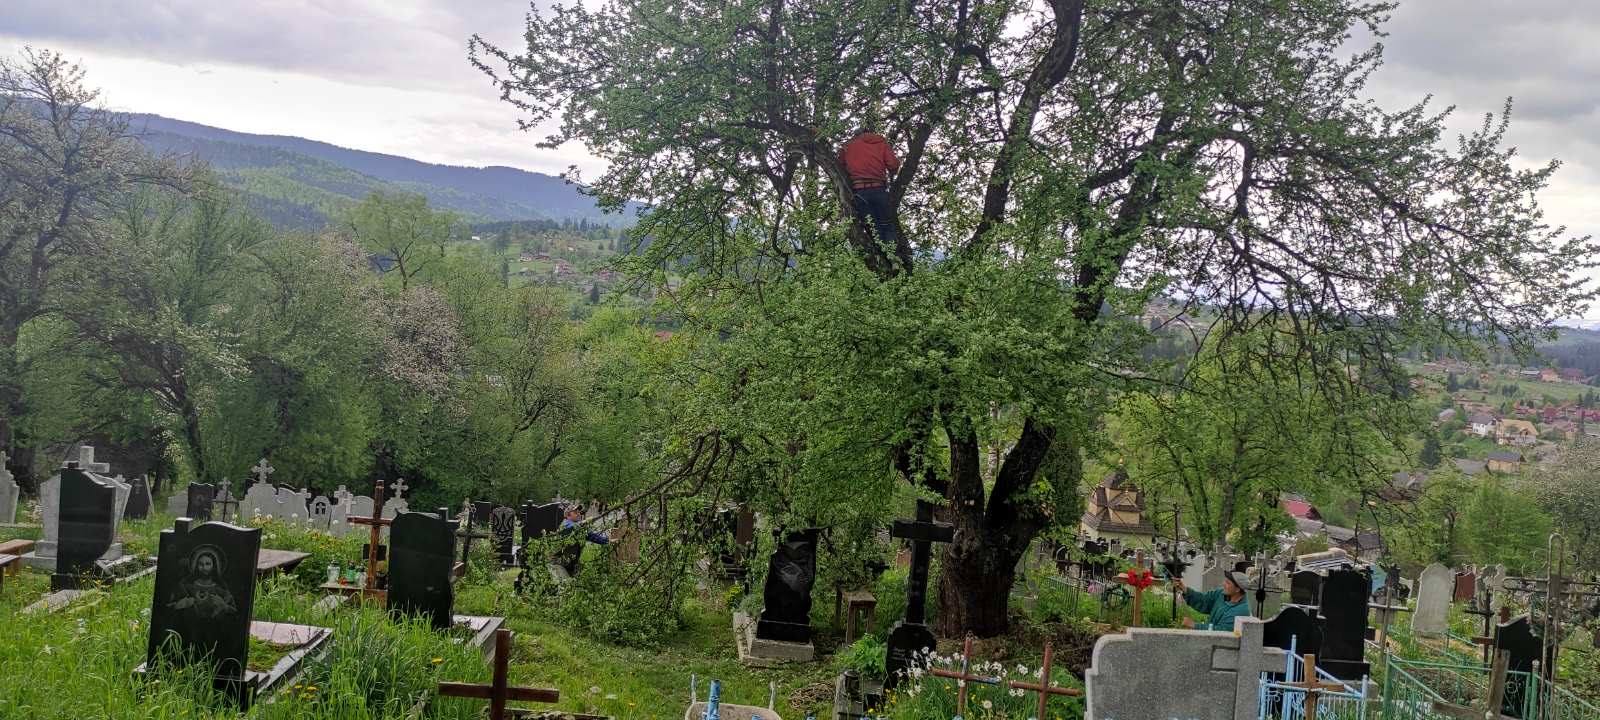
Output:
x,y
1022,669
988,705
1039,673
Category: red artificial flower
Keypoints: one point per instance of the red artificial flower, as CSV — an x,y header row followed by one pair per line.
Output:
x,y
1141,579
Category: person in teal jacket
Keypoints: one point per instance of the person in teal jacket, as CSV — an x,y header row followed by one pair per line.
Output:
x,y
1221,605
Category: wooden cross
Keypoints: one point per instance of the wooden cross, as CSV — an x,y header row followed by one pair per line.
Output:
x,y
499,693
262,470
1312,687
1139,584
377,523
1043,687
963,677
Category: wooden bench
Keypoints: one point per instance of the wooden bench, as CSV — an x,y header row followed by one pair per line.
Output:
x,y
10,563
17,548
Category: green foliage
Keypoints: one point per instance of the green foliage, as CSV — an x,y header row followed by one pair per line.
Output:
x,y
868,656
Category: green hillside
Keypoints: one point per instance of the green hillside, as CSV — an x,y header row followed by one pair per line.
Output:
x,y
300,183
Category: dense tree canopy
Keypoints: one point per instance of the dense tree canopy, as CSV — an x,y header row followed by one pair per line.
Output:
x,y
1063,164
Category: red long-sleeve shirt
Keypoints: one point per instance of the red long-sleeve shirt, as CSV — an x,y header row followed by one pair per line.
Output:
x,y
868,160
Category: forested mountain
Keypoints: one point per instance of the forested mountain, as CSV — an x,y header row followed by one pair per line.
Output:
x,y
300,183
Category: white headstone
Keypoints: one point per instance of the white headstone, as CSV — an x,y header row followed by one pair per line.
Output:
x,y
291,505
178,503
1435,586
261,500
43,556
9,492
1194,575
86,461
360,506
321,510
1132,674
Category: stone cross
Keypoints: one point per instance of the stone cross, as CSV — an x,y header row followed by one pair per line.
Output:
x,y
400,488
377,523
1312,687
262,470
499,693
1043,687
86,461
909,638
964,677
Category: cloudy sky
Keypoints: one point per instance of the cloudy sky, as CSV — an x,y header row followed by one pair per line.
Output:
x,y
391,75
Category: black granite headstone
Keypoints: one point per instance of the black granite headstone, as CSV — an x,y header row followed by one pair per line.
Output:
x,y
1344,623
1293,628
1305,588
912,636
201,498
88,522
1522,647
540,521
204,597
786,608
503,525
480,512
138,507
420,567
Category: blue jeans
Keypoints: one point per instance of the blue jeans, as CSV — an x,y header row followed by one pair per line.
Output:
x,y
874,204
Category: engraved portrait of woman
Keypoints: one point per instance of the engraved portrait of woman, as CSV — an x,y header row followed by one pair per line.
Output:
x,y
201,592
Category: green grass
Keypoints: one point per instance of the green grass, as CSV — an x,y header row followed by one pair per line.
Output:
x,y
78,662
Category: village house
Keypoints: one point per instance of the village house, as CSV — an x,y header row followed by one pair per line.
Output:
x,y
1482,424
1573,375
1505,461
1550,375
1520,433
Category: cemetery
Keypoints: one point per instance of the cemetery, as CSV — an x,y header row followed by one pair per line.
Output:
x,y
402,614
799,360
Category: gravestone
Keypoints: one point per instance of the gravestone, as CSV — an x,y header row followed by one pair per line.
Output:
x,y
786,598
202,501
341,512
319,514
421,561
1435,586
1159,674
88,526
1294,628
1466,585
1194,575
204,598
261,498
1305,588
1522,648
396,503
481,510
9,493
540,521
503,525
139,501
178,503
43,556
1344,623
912,636
291,506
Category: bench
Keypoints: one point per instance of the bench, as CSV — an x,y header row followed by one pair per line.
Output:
x,y
9,563
17,548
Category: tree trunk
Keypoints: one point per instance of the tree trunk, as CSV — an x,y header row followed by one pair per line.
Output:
x,y
191,434
12,442
975,586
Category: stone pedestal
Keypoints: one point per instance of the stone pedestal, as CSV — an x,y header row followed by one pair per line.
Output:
x,y
759,652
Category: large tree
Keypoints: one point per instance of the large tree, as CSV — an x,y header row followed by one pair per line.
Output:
x,y
65,162
1063,163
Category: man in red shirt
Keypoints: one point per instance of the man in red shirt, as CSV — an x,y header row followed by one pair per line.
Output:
x,y
870,162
